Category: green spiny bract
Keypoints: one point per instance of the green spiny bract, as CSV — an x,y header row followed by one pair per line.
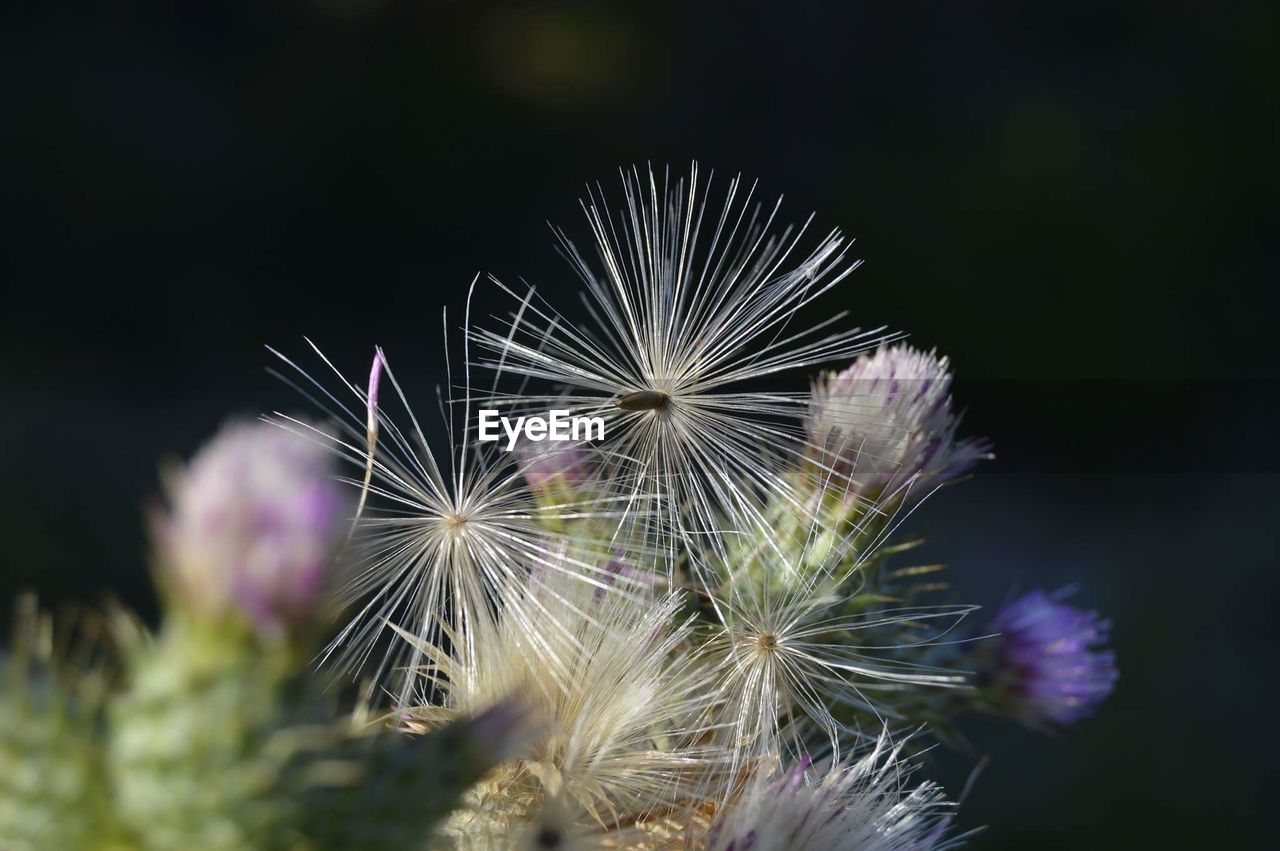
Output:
x,y
201,745
52,771
217,744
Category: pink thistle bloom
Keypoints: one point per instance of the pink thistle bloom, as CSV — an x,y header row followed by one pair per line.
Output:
x,y
253,525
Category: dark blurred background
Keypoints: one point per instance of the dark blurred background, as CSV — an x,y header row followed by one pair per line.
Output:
x,y
1075,200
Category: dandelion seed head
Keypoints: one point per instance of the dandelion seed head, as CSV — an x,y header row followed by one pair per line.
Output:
x,y
799,644
693,301
441,534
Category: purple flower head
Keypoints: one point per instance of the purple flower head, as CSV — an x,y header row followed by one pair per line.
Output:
x,y
888,417
252,528
1053,664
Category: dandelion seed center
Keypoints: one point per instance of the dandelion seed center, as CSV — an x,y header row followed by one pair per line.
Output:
x,y
767,643
643,400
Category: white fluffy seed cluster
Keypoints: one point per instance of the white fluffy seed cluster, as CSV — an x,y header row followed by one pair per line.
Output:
x,y
696,603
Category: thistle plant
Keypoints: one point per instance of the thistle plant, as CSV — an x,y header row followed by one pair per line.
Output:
x,y
208,733
203,736
382,631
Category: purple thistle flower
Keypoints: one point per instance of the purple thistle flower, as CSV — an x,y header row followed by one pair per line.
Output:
x,y
253,525
1052,664
886,418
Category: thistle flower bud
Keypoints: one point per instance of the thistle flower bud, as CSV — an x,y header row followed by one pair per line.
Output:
x,y
886,418
1050,665
252,529
548,466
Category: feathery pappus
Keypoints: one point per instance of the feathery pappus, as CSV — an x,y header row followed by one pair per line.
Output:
x,y
434,541
697,296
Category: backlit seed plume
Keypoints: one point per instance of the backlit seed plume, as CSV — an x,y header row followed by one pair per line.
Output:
x,y
1051,663
697,298
801,645
886,423
438,540
623,715
252,528
865,805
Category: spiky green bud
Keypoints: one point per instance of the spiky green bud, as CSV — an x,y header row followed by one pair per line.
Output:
x,y
53,792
